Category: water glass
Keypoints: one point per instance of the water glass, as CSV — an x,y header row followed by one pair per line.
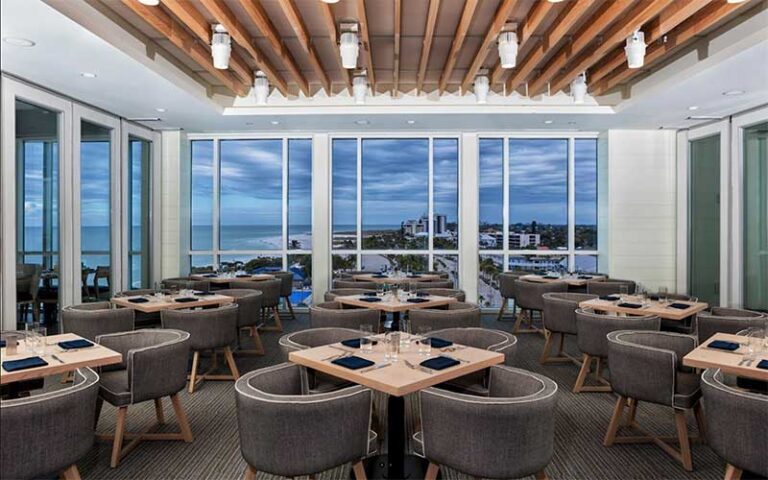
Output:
x,y
623,291
392,346
425,346
663,292
366,344
36,340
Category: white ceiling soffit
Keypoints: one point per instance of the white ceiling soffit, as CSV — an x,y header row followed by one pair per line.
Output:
x,y
133,82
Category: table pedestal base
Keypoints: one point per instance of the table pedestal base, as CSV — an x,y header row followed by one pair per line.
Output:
x,y
413,468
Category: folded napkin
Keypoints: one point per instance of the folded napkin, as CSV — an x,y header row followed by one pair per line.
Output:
x,y
370,299
355,343
439,342
610,298
138,300
369,294
551,277
630,305
763,364
185,299
439,363
379,275
417,300
204,294
353,362
422,294
414,276
210,275
23,364
243,275
584,277
72,344
723,345
679,306
2,343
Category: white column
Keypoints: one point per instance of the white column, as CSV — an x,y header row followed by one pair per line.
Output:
x,y
321,216
174,205
469,198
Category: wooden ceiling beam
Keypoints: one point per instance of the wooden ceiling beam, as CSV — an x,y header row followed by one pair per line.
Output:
x,y
530,25
705,19
499,20
365,38
615,36
297,24
258,16
219,10
670,18
426,45
564,23
197,24
181,39
608,12
333,36
458,42
396,71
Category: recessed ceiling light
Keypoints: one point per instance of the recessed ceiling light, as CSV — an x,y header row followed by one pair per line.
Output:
x,y
362,122
410,122
548,122
19,42
161,110
693,107
732,93
87,75
275,122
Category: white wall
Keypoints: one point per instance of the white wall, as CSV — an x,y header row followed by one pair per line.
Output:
x,y
174,205
641,206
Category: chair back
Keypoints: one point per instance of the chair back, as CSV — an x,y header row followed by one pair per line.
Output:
x,y
90,322
48,432
736,312
283,432
432,284
507,283
559,314
528,295
444,292
516,421
315,337
135,293
270,290
208,329
286,283
726,320
610,287
179,283
484,338
354,284
331,295
332,314
457,315
249,303
28,279
592,328
736,421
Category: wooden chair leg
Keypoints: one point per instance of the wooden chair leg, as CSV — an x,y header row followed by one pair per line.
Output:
x,y
586,361
290,307
732,473
193,375
359,470
685,442
632,411
181,416
159,411
231,362
117,445
250,473
547,346
257,340
700,422
278,321
432,470
518,322
70,473
541,475
613,426
502,310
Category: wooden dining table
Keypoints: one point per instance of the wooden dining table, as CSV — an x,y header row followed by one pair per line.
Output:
x,y
396,379
392,304
156,304
59,360
651,307
396,279
221,279
570,280
728,361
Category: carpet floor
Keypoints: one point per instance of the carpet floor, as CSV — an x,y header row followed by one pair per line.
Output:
x,y
580,425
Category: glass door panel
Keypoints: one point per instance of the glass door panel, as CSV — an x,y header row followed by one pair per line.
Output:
x,y
756,217
704,219
139,232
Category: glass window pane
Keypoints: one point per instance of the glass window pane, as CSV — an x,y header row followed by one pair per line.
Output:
x,y
586,263
538,194
201,263
202,195
301,267
300,194
343,263
95,210
756,217
585,173
251,263
251,195
139,183
448,264
412,263
445,196
395,193
488,286
491,193
537,263
344,193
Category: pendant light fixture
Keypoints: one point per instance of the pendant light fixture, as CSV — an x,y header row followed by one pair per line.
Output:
x,y
221,47
349,44
260,87
360,89
508,49
579,88
482,87
635,50
150,3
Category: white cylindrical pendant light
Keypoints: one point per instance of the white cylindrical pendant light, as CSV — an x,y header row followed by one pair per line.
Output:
x,y
635,50
508,49
221,47
261,87
482,86
360,89
349,49
579,88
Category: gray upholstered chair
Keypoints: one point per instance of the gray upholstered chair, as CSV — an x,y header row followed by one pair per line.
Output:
x,y
528,296
283,431
444,292
647,367
209,329
16,389
286,289
507,291
136,292
270,300
354,284
726,320
154,366
180,283
248,317
90,320
559,317
515,422
27,287
333,314
331,295
456,315
142,319
49,432
494,340
610,286
432,284
736,425
317,382
591,331
103,272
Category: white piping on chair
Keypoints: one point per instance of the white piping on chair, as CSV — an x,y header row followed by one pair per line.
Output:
x,y
78,386
719,385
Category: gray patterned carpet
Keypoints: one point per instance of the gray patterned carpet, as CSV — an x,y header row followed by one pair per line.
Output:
x,y
580,426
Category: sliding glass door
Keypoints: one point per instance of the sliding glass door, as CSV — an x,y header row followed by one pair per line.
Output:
x,y
755,217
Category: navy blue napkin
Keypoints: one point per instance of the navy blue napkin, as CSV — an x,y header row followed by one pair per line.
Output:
x,y
679,306
138,300
204,294
2,343
355,343
370,299
584,277
723,345
414,276
243,275
439,342
422,294
610,298
210,275
417,300
23,364
629,305
353,362
439,363
185,299
551,277
72,344
379,275
763,364
369,294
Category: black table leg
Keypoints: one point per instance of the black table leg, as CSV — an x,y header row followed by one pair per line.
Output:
x,y
395,321
396,436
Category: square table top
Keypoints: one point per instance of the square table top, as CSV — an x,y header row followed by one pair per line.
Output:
x,y
95,356
725,360
422,277
156,304
662,310
571,280
390,303
397,379
258,277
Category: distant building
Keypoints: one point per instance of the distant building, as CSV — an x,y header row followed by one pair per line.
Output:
x,y
420,227
518,241
441,224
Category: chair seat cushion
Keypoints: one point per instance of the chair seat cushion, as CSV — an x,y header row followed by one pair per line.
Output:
x,y
327,383
687,390
113,387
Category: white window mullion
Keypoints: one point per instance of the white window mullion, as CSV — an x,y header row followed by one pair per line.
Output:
x,y
505,199
216,204
359,202
430,204
571,203
285,205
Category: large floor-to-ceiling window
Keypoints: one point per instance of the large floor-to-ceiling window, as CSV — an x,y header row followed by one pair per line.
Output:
x,y
395,204
251,207
755,216
538,207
